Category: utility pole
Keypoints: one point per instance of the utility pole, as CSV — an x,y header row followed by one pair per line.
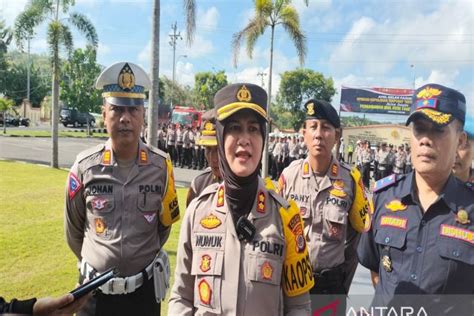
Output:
x,y
262,74
414,77
173,40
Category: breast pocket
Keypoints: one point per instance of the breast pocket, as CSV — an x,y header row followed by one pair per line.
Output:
x,y
207,269
148,206
100,213
335,219
392,243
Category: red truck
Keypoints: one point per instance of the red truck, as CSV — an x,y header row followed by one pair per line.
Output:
x,y
186,115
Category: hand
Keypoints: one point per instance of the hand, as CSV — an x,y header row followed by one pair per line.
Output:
x,y
64,305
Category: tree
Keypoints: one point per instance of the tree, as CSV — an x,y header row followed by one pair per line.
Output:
x,y
298,86
78,81
206,84
181,95
270,13
190,9
5,40
59,34
5,105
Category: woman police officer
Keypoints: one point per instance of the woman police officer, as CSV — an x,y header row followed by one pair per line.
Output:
x,y
242,249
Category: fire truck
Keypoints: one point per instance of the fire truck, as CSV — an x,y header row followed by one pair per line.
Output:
x,y
186,115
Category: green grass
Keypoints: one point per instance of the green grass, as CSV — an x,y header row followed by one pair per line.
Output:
x,y
35,260
35,133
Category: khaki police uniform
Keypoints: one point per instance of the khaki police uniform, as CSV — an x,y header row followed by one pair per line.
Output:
x,y
199,183
216,274
331,217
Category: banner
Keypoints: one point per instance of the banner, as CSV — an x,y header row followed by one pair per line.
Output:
x,y
376,100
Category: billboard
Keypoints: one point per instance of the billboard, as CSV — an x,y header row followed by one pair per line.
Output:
x,y
376,100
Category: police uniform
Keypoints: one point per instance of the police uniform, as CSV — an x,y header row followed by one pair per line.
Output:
x,y
218,271
399,163
334,209
417,252
120,219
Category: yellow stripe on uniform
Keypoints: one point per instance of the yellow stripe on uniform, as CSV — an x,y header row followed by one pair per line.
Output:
x,y
170,208
359,214
113,94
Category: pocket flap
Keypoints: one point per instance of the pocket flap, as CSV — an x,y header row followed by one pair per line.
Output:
x,y
391,237
265,269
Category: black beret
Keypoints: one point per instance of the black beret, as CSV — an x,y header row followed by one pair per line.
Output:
x,y
322,110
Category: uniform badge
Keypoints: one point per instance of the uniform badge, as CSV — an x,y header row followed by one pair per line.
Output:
x,y
244,95
205,292
210,222
393,221
310,109
335,230
297,229
99,225
334,169
462,217
143,156
457,233
387,263
338,189
261,202
396,205
303,210
99,203
74,185
220,197
267,271
149,216
306,168
106,157
126,78
205,263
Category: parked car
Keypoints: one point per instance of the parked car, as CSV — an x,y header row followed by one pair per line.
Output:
x,y
75,118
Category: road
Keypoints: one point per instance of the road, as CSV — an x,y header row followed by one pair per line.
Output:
x,y
38,150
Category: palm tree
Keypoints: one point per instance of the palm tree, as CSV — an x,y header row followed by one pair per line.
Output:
x,y
59,35
190,9
270,13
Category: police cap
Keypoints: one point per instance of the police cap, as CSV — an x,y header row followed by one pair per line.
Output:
x,y
208,129
240,96
124,84
322,110
438,104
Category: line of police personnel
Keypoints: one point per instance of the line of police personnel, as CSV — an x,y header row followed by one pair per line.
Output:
x,y
245,249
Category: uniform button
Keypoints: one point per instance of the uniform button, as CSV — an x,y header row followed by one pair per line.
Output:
x,y
419,249
387,240
456,253
423,222
413,276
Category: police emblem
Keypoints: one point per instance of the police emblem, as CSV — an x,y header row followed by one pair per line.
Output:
x,y
205,263
126,78
98,203
244,95
338,188
220,196
297,229
428,93
210,222
74,185
208,126
205,292
310,109
261,202
99,225
387,263
395,205
462,217
267,271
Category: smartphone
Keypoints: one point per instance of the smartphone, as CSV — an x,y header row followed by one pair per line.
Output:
x,y
94,283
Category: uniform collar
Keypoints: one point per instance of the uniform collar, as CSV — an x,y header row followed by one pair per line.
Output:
x,y
108,154
333,171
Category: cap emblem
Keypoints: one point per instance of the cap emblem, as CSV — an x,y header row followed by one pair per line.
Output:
x,y
428,93
310,109
126,78
244,95
208,126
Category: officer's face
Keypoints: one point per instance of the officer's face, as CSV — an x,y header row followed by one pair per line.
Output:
x,y
464,158
320,137
243,143
212,158
433,147
123,123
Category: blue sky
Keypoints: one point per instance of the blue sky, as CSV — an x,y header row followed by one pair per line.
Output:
x,y
361,43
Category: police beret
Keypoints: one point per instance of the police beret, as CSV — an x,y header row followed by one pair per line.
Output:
x,y
469,126
124,84
208,129
438,104
240,96
322,110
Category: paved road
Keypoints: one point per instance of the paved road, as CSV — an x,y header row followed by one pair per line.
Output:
x,y
38,150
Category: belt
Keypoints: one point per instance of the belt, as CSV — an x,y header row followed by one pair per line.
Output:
x,y
117,286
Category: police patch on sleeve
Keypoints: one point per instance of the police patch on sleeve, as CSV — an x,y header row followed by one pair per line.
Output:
x,y
359,214
297,268
170,210
74,185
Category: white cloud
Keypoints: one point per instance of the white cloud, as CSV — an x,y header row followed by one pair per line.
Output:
x,y
11,9
208,19
103,50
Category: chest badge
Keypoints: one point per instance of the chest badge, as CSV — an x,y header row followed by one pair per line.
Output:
x,y
99,226
462,217
267,271
205,292
99,204
210,222
387,263
338,189
396,205
205,263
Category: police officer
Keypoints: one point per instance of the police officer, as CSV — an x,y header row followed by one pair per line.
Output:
x,y
423,226
332,204
121,201
399,161
383,158
171,142
463,164
366,158
242,249
212,174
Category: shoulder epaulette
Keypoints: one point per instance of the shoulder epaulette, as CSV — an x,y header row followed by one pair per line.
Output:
x,y
280,200
89,152
209,190
387,182
158,151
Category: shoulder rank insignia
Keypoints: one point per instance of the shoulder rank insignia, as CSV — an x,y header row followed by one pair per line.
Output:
x,y
334,169
462,217
306,168
210,221
385,182
261,202
396,205
220,196
143,156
